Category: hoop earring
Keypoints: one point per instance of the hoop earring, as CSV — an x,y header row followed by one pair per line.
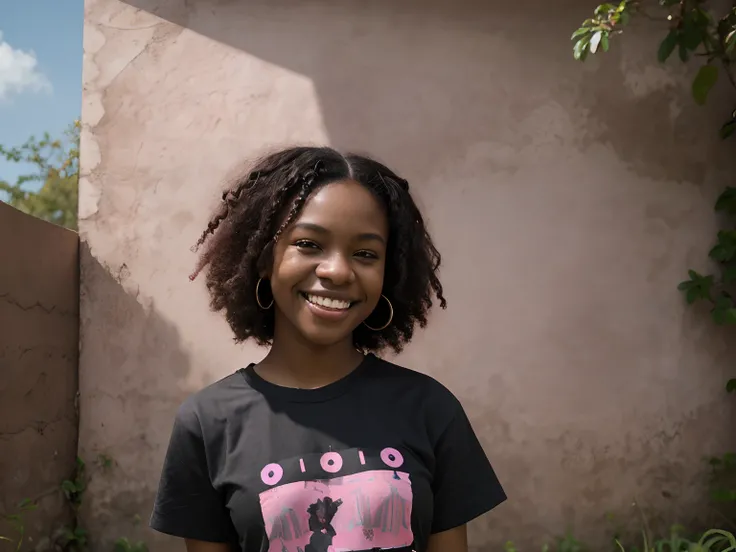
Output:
x,y
258,298
390,317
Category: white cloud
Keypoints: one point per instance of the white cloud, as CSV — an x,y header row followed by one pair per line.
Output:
x,y
19,72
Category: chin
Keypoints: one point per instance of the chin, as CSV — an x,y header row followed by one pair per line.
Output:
x,y
322,338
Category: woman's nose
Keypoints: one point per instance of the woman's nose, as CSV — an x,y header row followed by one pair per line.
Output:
x,y
337,269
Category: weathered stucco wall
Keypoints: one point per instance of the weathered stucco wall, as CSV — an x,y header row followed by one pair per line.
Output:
x,y
39,339
568,201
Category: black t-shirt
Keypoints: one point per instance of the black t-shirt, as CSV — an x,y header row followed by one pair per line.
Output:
x,y
378,460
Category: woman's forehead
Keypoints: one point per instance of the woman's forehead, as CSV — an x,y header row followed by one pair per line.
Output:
x,y
346,205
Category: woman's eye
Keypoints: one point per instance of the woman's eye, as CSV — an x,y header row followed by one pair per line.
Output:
x,y
306,244
366,254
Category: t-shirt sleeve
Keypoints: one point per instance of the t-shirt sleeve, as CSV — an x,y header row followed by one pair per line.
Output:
x,y
187,505
464,484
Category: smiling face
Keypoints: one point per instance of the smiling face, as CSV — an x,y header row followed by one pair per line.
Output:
x,y
328,267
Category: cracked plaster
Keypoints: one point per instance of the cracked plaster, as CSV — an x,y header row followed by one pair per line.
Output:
x,y
39,317
568,201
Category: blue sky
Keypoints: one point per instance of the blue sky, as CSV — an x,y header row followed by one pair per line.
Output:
x,y
40,70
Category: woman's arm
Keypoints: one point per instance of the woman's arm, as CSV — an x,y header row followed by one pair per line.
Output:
x,y
453,540
463,483
187,504
202,546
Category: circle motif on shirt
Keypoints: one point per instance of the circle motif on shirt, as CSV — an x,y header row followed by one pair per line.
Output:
x,y
331,462
272,474
392,457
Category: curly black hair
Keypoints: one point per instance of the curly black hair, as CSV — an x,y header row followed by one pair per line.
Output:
x,y
259,206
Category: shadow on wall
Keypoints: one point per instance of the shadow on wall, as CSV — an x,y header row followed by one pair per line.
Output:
x,y
141,386
39,340
646,113
457,79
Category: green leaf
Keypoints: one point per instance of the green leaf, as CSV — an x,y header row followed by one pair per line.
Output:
x,y
725,250
704,81
727,129
580,32
580,50
697,287
730,316
604,9
595,40
731,386
68,487
684,54
729,275
692,295
724,317
691,35
604,42
686,285
717,540
730,42
667,46
724,313
726,202
723,495
27,504
720,253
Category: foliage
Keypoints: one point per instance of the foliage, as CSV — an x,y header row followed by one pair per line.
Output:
x,y
73,488
55,165
104,461
715,288
724,479
693,30
17,522
71,538
697,31
713,540
124,545
568,543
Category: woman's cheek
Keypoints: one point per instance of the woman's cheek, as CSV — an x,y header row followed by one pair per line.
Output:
x,y
373,278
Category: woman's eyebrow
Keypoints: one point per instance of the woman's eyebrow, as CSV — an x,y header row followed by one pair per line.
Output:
x,y
364,236
370,236
311,226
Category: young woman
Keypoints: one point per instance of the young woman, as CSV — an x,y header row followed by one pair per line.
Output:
x,y
322,446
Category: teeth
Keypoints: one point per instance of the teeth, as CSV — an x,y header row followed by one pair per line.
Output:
x,y
328,303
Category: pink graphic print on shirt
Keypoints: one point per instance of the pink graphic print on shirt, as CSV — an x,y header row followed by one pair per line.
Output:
x,y
370,510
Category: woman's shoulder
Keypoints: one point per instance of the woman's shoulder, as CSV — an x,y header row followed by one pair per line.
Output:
x,y
214,400
432,389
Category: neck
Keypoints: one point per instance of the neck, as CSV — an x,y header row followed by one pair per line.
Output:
x,y
294,362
